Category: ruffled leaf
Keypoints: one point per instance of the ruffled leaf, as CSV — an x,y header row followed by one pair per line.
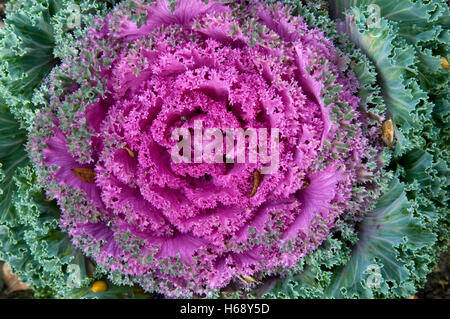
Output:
x,y
12,156
35,248
26,50
401,95
389,226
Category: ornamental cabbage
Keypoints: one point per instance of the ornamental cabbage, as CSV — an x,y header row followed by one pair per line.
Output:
x,y
183,228
357,154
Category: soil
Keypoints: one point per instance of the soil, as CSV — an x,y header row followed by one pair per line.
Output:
x,y
438,282
2,9
10,285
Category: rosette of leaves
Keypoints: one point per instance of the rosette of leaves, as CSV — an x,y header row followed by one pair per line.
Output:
x,y
397,237
102,146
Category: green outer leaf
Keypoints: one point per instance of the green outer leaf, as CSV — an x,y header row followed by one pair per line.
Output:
x,y
26,51
314,273
35,248
404,11
423,24
113,292
12,156
423,167
392,62
389,226
400,10
30,240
